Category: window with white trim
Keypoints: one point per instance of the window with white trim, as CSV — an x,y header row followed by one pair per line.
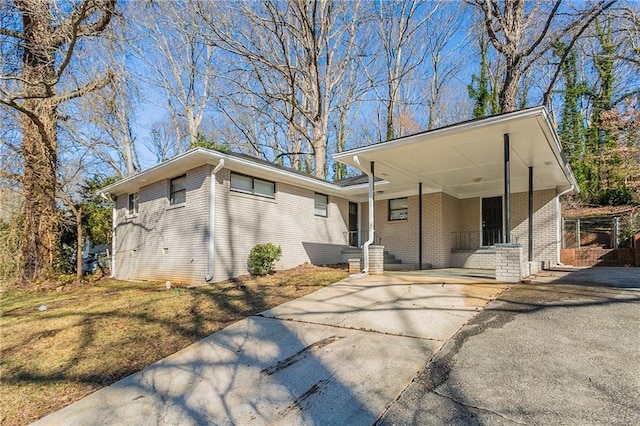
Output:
x,y
251,185
178,190
398,209
133,203
320,203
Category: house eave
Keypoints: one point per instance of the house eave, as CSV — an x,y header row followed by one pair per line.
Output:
x,y
201,156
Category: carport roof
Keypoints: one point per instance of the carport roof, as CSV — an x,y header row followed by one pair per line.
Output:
x,y
467,159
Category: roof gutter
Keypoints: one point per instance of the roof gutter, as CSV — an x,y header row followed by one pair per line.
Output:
x,y
365,247
107,197
212,220
559,224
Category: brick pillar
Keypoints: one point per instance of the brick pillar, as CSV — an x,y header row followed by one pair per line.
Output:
x,y
636,247
376,260
509,262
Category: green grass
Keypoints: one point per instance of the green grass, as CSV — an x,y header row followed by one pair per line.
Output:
x,y
94,334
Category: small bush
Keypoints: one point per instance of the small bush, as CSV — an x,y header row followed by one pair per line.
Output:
x,y
262,258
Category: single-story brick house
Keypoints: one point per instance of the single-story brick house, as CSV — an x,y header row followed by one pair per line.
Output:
x,y
441,198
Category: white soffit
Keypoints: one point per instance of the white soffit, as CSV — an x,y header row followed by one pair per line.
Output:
x,y
467,160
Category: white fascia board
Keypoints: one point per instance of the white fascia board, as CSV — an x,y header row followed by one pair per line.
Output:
x,y
199,156
554,143
346,156
184,161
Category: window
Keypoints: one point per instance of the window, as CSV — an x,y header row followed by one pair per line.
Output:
x,y
178,191
398,209
320,202
133,203
251,185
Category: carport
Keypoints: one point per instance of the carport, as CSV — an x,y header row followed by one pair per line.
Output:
x,y
485,159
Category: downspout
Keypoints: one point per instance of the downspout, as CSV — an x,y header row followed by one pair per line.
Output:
x,y
559,231
365,247
212,219
113,233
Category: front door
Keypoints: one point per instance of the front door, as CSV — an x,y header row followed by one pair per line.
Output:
x,y
491,221
353,224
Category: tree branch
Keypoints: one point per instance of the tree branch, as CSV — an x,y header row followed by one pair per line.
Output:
x,y
83,90
72,27
546,97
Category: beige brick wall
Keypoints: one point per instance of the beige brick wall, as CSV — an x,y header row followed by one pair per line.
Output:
x,y
399,237
444,215
476,259
545,224
165,242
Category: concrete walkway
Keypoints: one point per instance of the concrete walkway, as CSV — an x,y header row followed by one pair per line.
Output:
x,y
341,355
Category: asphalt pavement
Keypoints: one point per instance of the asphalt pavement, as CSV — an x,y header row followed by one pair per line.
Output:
x,y
564,349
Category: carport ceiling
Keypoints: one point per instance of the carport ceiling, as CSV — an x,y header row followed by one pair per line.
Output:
x,y
466,160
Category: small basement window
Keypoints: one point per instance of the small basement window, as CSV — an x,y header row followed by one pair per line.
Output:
x,y
320,202
398,209
178,190
251,185
133,203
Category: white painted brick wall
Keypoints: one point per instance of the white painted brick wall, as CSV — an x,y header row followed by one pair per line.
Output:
x,y
164,242
244,220
170,243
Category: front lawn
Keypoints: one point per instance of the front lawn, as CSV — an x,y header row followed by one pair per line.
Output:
x,y
93,334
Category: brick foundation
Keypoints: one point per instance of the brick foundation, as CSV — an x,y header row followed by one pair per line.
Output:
x,y
354,266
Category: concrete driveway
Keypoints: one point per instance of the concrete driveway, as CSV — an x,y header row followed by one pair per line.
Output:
x,y
562,350
341,355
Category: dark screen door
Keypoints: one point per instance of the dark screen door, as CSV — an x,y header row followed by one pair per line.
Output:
x,y
491,221
353,224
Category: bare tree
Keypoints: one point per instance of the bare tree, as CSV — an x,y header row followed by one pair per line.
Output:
x,y
296,53
447,50
103,121
42,37
399,26
523,34
177,61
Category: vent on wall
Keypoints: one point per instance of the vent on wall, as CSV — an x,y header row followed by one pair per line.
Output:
x,y
165,250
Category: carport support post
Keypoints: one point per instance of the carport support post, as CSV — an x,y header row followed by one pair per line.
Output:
x,y
372,212
507,184
420,226
530,214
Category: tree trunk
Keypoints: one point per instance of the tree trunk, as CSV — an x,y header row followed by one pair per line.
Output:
x,y
39,143
40,228
509,92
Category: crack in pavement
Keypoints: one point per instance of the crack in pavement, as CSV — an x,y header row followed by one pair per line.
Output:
x,y
363,329
482,409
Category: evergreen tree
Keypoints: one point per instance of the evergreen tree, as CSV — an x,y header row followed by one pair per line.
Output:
x,y
599,142
572,127
479,87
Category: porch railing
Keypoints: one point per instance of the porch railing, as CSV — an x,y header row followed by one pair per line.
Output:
x,y
351,238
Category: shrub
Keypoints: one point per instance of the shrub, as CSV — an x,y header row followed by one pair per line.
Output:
x,y
262,258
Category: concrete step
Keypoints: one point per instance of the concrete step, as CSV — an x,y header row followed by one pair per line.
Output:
x,y
400,266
